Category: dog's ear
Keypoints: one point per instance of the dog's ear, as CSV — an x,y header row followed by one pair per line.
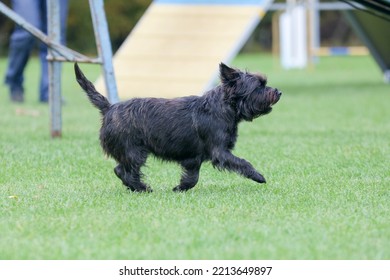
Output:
x,y
228,75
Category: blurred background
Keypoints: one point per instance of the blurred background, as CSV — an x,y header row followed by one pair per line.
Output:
x,y
324,150
123,15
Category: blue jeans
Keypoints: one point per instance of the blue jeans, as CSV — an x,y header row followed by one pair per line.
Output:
x,y
22,42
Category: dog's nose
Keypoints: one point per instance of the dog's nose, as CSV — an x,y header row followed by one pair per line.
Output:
x,y
279,93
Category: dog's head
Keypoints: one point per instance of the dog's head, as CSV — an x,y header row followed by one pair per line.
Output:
x,y
248,92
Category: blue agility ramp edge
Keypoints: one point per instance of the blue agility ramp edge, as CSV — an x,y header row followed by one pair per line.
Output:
x,y
212,2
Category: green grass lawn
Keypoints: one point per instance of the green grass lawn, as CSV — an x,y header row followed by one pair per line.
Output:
x,y
324,150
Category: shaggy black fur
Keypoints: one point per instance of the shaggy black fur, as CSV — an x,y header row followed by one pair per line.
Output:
x,y
188,130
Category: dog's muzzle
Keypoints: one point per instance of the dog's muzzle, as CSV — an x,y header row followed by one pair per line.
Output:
x,y
275,96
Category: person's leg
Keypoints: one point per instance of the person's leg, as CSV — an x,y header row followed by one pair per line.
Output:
x,y
21,43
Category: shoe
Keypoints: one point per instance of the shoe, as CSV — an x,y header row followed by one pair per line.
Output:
x,y
17,95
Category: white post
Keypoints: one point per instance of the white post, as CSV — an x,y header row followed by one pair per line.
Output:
x,y
293,38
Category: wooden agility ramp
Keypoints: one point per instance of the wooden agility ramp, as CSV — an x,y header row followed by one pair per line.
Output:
x,y
176,47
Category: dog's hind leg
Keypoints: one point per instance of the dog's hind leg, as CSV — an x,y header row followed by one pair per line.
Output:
x,y
120,171
130,174
190,175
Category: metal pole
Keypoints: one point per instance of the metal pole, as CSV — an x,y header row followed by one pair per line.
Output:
x,y
103,45
53,20
64,53
58,52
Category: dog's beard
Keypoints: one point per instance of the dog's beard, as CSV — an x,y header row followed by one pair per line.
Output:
x,y
273,97
255,106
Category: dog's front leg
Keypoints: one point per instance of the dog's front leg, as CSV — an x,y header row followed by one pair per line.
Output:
x,y
190,175
224,159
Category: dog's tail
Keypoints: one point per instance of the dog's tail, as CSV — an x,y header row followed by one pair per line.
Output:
x,y
98,100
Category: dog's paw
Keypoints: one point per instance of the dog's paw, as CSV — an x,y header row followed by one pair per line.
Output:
x,y
180,189
142,189
147,190
259,178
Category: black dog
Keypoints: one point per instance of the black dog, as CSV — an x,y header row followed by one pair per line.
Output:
x,y
188,130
